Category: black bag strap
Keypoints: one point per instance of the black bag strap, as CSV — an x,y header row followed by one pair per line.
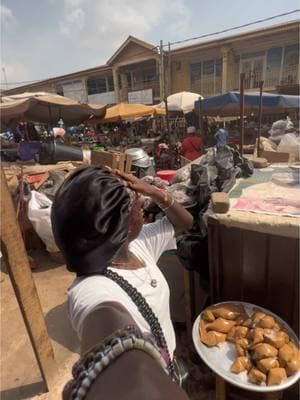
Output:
x,y
146,311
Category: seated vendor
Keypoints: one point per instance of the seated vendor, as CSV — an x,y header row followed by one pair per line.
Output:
x,y
163,159
192,145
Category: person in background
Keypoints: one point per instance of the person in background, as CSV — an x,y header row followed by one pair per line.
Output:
x,y
221,136
192,146
59,134
162,159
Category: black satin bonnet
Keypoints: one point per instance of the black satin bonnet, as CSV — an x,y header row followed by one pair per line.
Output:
x,y
90,215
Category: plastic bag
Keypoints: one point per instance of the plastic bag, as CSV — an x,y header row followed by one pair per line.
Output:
x,y
290,143
39,212
279,128
183,174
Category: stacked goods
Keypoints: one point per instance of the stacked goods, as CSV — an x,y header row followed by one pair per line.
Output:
x,y
263,347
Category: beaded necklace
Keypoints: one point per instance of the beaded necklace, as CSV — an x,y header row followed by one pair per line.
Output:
x,y
86,370
146,312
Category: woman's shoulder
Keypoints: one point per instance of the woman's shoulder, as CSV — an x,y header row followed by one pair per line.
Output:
x,y
88,283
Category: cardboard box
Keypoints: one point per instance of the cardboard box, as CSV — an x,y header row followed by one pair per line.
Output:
x,y
274,156
112,159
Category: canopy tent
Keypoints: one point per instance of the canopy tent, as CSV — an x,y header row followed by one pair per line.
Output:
x,y
46,108
125,111
228,104
181,102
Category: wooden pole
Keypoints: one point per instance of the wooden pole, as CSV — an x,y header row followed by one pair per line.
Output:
x,y
220,388
242,112
162,71
200,117
261,84
15,256
167,116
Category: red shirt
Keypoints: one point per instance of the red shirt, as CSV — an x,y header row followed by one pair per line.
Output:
x,y
192,147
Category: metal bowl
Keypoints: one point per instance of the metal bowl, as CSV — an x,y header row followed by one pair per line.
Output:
x,y
136,153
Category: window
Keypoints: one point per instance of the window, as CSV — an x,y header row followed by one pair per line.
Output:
x,y
253,70
195,72
96,85
219,67
128,79
110,84
208,68
149,74
290,71
274,58
206,77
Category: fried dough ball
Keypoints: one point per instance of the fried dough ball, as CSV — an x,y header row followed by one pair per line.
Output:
x,y
293,365
220,325
230,311
276,338
265,364
247,323
240,364
287,353
256,376
256,336
241,346
266,322
264,350
241,319
237,332
276,376
257,316
208,316
211,338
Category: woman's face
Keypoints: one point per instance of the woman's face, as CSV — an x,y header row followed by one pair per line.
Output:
x,y
136,218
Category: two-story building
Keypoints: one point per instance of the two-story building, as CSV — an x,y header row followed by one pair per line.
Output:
x,y
137,72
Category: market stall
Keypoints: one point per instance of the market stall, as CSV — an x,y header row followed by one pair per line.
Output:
x,y
254,247
124,111
228,104
47,108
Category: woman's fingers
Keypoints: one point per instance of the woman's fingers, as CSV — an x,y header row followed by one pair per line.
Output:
x,y
129,180
127,177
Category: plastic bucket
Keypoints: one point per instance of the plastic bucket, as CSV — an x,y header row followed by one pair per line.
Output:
x,y
167,175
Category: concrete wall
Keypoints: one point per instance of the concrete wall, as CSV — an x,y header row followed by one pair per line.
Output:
x,y
227,50
102,98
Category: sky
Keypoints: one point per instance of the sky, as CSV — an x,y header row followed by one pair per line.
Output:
x,y
47,38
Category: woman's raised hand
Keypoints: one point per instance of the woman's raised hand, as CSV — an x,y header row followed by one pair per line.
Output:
x,y
134,183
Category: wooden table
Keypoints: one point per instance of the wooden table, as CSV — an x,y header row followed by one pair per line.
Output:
x,y
255,258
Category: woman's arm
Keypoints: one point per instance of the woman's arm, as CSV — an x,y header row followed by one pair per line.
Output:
x,y
134,375
179,217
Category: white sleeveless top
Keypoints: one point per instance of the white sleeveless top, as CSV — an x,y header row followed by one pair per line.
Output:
x,y
86,293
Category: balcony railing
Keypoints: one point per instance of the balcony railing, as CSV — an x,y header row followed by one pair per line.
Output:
x,y
272,78
209,86
290,75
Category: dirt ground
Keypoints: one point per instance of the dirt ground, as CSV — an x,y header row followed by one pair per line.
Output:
x,y
20,377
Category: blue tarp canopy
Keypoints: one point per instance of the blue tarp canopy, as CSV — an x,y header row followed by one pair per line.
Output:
x,y
228,104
